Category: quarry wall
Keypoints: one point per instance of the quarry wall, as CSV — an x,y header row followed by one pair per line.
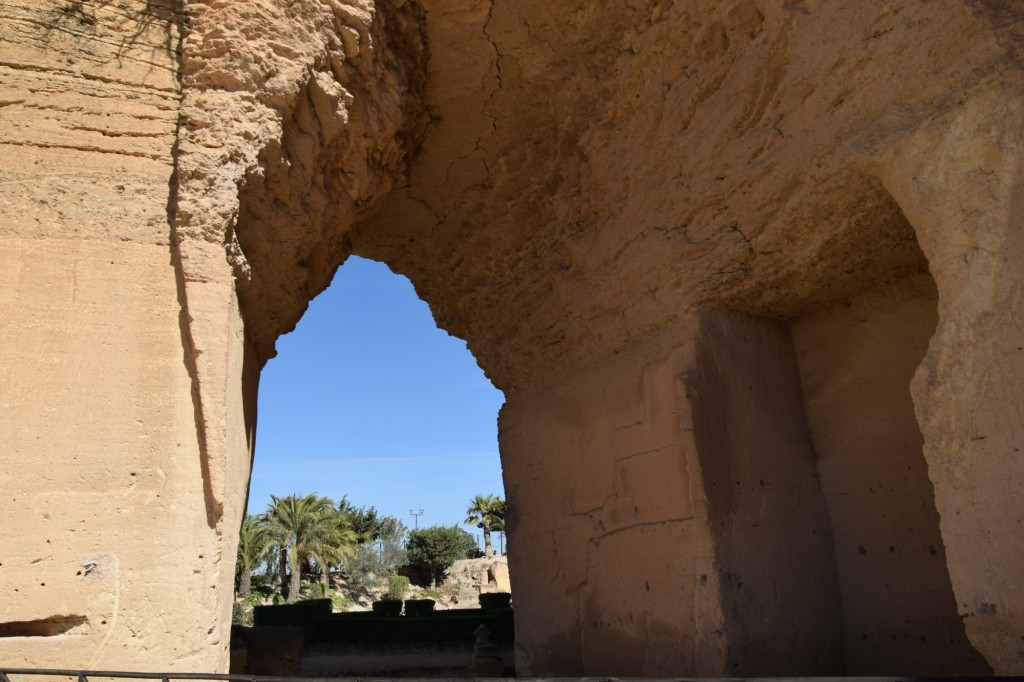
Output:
x,y
747,272
105,522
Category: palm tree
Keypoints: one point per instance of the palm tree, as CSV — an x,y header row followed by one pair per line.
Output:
x,y
487,512
331,541
253,542
294,523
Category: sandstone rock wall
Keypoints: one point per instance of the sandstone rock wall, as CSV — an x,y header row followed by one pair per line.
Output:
x,y
107,546
677,235
629,486
778,589
966,390
856,364
134,132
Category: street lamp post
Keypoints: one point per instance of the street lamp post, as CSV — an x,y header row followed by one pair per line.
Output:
x,y
416,516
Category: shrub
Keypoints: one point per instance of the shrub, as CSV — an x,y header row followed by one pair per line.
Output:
x,y
419,607
249,599
490,601
398,585
341,603
388,607
241,613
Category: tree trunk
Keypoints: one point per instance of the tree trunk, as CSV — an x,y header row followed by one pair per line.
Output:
x,y
488,549
245,584
293,585
282,565
325,574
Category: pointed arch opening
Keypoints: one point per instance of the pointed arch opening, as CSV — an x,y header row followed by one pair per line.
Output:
x,y
367,399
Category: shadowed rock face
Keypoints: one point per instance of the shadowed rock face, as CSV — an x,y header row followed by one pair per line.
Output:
x,y
746,272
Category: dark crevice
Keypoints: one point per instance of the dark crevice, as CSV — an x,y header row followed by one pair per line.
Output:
x,y
43,627
189,353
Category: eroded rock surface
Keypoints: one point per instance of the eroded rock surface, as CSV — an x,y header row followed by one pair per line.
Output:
x,y
746,271
104,518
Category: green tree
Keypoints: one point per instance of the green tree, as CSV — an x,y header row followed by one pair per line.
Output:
x,y
375,560
364,520
296,524
487,512
254,540
392,540
437,547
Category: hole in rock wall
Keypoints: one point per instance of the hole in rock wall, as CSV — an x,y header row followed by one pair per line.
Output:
x,y
45,627
368,399
842,526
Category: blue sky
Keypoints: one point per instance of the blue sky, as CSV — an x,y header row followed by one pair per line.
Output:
x,y
367,397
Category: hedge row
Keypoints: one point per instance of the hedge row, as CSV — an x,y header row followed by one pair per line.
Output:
x,y
490,601
305,614
413,607
340,629
416,612
388,607
419,607
421,624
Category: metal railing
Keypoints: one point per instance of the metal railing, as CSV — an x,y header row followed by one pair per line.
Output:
x,y
88,675
85,675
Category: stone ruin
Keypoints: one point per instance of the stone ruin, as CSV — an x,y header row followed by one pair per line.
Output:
x,y
747,271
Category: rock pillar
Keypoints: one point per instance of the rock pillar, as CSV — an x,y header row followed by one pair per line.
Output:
x,y
689,535
108,494
959,181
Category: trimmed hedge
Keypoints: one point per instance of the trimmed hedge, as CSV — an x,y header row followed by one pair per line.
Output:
x,y
388,607
439,626
305,614
419,607
460,613
489,601
373,627
454,613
